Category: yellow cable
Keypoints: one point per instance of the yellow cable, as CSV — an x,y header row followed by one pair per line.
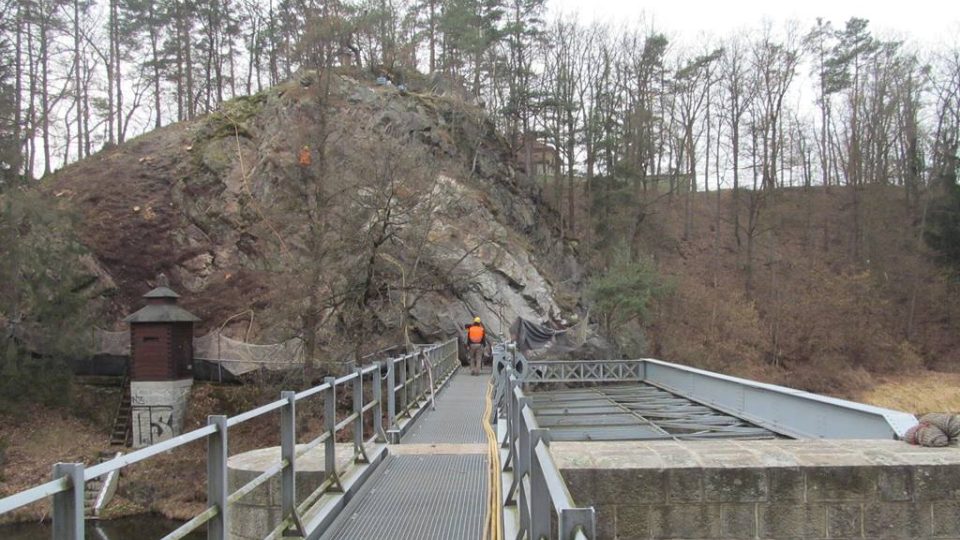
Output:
x,y
493,525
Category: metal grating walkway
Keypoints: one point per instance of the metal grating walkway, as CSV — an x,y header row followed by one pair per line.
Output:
x,y
458,414
429,495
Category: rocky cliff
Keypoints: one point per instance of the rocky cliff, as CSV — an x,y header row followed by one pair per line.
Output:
x,y
321,199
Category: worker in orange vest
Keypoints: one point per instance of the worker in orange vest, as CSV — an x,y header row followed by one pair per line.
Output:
x,y
476,341
305,158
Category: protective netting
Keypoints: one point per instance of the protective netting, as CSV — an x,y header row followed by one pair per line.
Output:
x,y
239,357
236,357
532,336
935,429
111,343
946,422
924,434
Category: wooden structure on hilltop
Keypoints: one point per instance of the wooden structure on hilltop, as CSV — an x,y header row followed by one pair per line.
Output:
x,y
537,158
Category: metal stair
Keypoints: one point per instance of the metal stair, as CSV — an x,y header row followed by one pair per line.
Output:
x,y
121,434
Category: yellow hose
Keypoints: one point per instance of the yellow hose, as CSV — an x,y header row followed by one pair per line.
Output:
x,y
493,526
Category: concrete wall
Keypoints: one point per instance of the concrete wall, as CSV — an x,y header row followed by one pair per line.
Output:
x,y
765,489
255,515
158,409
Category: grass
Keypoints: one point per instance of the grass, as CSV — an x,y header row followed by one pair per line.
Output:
x,y
917,393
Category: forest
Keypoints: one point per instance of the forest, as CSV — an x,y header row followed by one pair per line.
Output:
x,y
709,138
778,105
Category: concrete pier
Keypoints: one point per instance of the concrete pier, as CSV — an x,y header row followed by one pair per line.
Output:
x,y
258,513
765,489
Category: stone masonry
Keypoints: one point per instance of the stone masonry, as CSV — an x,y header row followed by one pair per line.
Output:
x,y
765,489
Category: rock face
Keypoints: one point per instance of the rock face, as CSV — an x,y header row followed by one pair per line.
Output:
x,y
225,206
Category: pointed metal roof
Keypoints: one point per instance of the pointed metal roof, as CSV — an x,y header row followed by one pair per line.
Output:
x,y
161,313
162,292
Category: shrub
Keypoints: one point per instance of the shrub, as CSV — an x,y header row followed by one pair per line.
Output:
x,y
44,312
623,294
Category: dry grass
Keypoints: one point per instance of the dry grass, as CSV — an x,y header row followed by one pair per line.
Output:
x,y
917,393
36,438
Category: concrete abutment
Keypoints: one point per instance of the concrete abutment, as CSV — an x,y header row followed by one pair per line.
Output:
x,y
765,489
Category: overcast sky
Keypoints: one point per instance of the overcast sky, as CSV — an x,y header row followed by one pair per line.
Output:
x,y
930,22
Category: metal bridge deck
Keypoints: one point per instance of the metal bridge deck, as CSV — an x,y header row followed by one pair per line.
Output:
x,y
434,485
457,416
637,411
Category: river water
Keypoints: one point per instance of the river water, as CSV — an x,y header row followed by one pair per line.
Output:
x,y
142,527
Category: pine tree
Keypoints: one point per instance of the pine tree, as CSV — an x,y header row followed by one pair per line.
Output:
x,y
44,308
10,157
471,28
943,223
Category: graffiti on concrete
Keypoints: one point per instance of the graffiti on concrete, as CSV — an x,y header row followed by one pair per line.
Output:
x,y
153,423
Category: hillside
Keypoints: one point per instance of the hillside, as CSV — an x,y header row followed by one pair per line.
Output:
x,y
410,214
816,315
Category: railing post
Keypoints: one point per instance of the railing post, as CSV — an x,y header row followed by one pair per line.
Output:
x,y
520,456
330,425
415,378
391,395
520,471
453,355
406,385
288,452
506,402
378,397
218,528
358,410
572,519
68,505
539,493
423,387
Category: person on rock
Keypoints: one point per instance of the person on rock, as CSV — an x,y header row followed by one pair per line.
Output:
x,y
476,342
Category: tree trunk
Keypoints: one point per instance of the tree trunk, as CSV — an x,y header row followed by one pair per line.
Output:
x,y
571,191
77,80
45,87
433,36
156,63
188,62
115,22
18,90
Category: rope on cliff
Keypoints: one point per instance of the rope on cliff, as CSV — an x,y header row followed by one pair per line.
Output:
x,y
246,188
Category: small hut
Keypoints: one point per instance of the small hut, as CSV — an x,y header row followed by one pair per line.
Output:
x,y
161,339
161,366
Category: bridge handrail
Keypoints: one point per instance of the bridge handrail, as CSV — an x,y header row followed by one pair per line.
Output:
x,y
780,409
67,487
537,488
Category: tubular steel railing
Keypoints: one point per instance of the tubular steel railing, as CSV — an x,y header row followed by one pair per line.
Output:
x,y
537,489
402,398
